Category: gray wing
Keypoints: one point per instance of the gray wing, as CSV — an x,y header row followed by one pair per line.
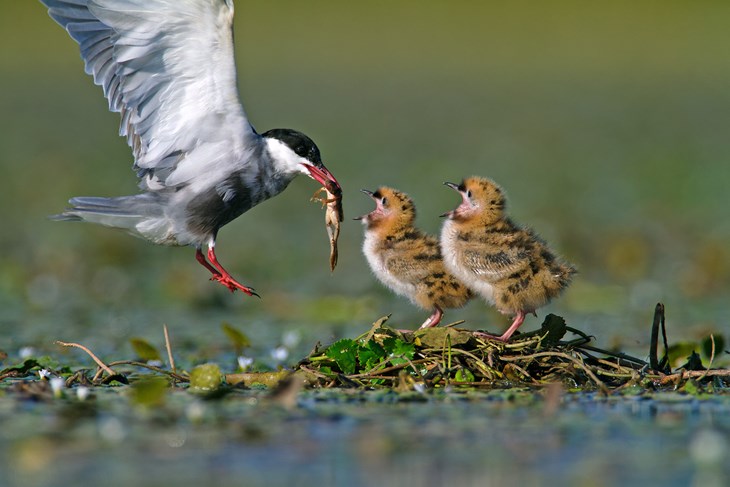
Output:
x,y
493,264
167,66
406,270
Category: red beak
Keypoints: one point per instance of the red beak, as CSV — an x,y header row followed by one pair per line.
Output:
x,y
322,175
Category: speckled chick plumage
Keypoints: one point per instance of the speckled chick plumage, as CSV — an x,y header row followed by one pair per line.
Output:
x,y
509,265
407,260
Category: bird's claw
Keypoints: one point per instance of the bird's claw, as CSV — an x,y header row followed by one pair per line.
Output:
x,y
234,285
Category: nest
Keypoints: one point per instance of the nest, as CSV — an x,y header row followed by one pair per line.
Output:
x,y
447,356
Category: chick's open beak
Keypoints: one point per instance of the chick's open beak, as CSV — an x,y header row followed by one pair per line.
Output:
x,y
455,187
369,193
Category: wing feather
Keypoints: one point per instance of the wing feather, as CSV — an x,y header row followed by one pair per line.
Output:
x,y
493,264
167,66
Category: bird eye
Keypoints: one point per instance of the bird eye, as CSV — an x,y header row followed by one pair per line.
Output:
x,y
468,193
384,201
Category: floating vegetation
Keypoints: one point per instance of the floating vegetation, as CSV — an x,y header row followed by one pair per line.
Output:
x,y
445,358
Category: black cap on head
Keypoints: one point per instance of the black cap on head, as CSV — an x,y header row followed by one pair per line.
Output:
x,y
302,145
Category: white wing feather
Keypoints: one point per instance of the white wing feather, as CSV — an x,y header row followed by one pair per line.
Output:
x,y
167,66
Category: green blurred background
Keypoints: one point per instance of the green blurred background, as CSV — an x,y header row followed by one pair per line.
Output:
x,y
607,124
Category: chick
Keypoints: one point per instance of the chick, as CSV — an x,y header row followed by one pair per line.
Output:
x,y
407,260
510,266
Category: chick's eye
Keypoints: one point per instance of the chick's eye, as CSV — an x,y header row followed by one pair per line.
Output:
x,y
384,201
468,194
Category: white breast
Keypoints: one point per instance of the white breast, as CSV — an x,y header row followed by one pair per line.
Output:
x,y
454,262
376,258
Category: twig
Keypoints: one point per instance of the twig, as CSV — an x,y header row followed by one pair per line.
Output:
x,y
169,349
694,374
454,323
90,353
615,366
712,357
415,369
577,362
618,355
366,375
314,372
524,372
160,370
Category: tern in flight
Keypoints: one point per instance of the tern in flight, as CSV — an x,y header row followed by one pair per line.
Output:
x,y
167,67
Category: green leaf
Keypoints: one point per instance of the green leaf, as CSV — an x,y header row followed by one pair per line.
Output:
x,y
370,354
21,369
205,378
145,350
464,375
47,362
692,388
237,338
398,350
344,353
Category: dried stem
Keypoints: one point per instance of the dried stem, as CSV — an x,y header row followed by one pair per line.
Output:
x,y
90,353
169,349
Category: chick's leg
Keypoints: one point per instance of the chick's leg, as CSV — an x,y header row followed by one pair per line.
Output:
x,y
434,319
519,319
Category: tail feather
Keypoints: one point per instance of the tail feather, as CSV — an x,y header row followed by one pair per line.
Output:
x,y
121,212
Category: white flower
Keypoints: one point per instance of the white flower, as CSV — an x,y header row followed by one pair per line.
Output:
x,y
280,354
82,392
44,374
244,363
57,385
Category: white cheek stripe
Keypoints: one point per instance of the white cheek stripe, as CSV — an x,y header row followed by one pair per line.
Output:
x,y
284,156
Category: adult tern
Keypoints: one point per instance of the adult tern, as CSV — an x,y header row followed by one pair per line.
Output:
x,y
167,67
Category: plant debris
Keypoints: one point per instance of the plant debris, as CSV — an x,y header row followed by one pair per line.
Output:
x,y
446,357
450,357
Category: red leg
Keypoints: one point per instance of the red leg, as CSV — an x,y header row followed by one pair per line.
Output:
x,y
201,258
434,319
220,274
519,319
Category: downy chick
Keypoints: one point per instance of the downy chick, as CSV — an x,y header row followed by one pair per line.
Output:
x,y
508,265
407,260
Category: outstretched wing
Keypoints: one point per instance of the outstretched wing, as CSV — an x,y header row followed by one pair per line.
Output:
x,y
167,66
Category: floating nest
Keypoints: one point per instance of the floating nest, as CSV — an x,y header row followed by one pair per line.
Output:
x,y
447,356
